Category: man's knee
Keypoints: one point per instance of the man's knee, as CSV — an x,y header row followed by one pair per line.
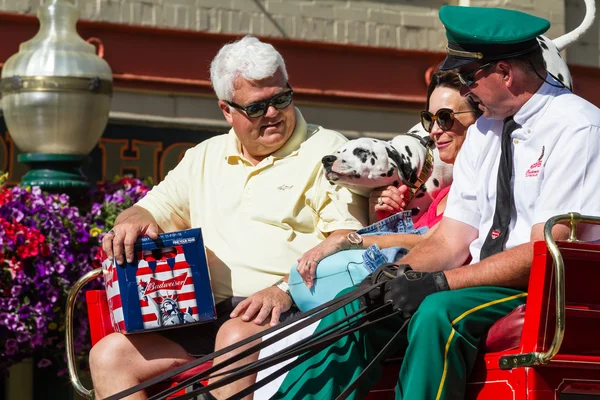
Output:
x,y
236,330
110,352
434,310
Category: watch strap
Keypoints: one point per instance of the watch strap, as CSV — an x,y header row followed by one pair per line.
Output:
x,y
283,285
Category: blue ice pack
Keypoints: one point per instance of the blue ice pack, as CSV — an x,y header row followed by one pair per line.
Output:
x,y
334,273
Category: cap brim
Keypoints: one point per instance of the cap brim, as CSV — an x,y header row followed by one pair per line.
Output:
x,y
452,62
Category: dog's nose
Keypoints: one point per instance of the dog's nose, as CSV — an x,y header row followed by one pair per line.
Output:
x,y
328,160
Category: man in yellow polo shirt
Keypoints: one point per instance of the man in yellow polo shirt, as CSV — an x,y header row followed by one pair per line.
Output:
x,y
262,202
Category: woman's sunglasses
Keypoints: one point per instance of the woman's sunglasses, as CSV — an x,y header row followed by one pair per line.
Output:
x,y
259,108
443,116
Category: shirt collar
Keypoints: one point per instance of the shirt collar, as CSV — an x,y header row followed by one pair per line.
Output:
x,y
534,109
290,148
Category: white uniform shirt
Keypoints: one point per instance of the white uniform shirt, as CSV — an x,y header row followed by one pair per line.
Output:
x,y
556,168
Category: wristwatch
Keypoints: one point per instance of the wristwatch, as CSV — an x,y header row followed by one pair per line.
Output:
x,y
355,240
284,286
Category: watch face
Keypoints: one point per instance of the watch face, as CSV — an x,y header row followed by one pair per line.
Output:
x,y
354,238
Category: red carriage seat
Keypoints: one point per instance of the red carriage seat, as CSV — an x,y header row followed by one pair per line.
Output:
x,y
502,370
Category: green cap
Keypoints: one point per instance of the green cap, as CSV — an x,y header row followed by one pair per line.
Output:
x,y
487,34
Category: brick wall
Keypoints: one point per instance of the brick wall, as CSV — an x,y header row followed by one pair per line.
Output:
x,y
409,24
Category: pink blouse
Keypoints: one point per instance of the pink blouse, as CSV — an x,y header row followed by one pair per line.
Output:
x,y
431,218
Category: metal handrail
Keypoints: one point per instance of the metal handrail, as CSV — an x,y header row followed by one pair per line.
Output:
x,y
543,357
77,385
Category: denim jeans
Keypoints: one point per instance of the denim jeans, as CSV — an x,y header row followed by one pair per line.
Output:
x,y
397,223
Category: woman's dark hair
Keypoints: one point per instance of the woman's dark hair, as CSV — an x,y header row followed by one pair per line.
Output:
x,y
450,80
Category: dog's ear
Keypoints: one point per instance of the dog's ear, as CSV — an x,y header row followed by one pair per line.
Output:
x,y
405,170
393,155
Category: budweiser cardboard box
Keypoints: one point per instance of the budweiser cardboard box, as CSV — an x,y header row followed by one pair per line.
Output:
x,y
167,285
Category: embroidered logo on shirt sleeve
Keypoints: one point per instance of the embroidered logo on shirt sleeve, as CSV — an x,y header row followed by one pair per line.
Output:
x,y
534,169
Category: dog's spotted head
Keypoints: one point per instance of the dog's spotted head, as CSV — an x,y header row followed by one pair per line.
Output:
x,y
554,62
367,163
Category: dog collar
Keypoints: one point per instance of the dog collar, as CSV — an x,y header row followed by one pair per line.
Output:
x,y
427,169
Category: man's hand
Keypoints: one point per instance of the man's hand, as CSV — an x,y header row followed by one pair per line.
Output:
x,y
407,291
130,224
307,264
271,300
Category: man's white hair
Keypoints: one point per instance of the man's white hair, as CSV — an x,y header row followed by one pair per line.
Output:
x,y
248,58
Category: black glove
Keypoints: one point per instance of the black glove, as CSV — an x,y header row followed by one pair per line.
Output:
x,y
407,291
385,272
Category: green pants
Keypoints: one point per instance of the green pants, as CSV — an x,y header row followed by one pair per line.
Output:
x,y
441,345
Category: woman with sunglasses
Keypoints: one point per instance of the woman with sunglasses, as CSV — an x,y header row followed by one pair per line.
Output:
x,y
447,117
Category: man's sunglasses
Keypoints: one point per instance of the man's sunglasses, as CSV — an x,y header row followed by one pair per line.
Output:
x,y
444,117
259,108
467,78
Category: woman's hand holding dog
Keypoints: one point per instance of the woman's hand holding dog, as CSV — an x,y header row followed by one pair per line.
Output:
x,y
307,264
386,201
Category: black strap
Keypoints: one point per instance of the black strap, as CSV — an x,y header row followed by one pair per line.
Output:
x,y
496,238
311,338
314,315
344,395
309,349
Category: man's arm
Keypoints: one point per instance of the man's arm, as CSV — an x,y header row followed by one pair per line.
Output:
x,y
509,268
447,248
406,240
164,208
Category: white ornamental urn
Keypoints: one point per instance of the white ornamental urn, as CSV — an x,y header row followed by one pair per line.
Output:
x,y
56,95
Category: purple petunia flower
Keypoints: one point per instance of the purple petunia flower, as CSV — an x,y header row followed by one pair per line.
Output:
x,y
47,245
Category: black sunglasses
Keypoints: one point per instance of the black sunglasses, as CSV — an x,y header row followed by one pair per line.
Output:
x,y
467,78
259,108
443,116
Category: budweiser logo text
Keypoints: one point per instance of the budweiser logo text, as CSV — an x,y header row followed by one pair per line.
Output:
x,y
176,283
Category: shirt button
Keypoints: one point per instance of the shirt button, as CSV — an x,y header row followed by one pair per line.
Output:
x,y
516,141
528,130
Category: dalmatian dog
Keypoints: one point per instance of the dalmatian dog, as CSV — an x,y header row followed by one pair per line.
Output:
x,y
364,164
551,48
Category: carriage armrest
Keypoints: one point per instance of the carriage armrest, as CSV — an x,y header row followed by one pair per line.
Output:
x,y
98,314
581,305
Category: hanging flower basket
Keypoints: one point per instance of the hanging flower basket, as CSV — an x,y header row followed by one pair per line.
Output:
x,y
46,244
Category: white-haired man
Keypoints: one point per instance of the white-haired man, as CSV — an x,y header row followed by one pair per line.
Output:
x,y
262,202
